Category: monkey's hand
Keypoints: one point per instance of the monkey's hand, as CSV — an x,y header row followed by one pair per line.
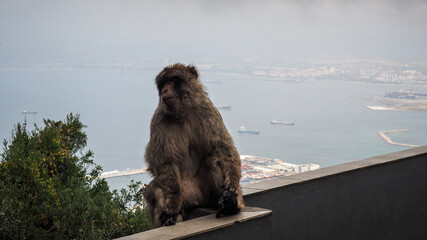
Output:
x,y
168,219
228,201
172,213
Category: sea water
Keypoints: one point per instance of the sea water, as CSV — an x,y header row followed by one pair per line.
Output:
x,y
332,124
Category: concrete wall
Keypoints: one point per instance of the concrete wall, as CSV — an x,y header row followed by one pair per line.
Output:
x,y
383,197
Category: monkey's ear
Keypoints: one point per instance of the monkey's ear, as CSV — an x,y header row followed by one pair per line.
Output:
x,y
193,71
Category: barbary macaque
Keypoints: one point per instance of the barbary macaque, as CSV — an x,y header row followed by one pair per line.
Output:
x,y
191,155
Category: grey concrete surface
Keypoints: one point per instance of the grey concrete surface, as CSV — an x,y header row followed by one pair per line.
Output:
x,y
247,223
383,197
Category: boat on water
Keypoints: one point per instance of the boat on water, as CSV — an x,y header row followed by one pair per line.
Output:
x,y
28,112
213,81
243,130
224,107
274,122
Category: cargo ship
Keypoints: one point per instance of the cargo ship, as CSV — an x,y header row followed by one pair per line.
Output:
x,y
213,81
243,130
28,112
224,107
401,95
274,122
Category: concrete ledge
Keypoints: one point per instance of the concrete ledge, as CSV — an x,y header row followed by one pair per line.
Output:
x,y
200,228
382,197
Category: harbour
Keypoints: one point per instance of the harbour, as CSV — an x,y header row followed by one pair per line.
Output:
x,y
253,169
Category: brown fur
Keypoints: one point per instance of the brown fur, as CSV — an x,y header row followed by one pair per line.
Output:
x,y
190,154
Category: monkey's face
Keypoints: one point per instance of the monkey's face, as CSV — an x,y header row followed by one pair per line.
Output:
x,y
173,96
179,90
169,96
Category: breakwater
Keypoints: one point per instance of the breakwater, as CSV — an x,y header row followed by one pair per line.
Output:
x,y
117,173
389,141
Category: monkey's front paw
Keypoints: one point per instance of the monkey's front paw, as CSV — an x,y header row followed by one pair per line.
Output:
x,y
228,201
168,219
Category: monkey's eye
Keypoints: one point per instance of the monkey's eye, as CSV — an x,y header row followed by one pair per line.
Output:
x,y
176,81
177,84
163,83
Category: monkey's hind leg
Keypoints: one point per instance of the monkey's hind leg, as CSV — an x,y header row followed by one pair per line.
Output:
x,y
150,199
157,210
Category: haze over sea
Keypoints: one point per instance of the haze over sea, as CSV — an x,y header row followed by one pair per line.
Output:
x,y
332,125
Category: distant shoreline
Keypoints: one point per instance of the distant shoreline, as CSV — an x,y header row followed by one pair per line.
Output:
x,y
392,104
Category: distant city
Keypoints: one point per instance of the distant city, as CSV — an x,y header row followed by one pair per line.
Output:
x,y
353,70
411,75
381,71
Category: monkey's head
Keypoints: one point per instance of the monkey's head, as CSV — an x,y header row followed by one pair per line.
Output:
x,y
179,89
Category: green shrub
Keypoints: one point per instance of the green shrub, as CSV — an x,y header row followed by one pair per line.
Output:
x,y
49,188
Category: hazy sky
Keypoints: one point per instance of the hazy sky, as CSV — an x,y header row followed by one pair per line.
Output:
x,y
248,28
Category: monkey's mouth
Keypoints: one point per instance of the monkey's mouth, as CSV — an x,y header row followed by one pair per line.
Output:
x,y
170,100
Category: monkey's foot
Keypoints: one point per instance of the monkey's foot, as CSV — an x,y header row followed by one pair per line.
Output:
x,y
169,219
228,201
